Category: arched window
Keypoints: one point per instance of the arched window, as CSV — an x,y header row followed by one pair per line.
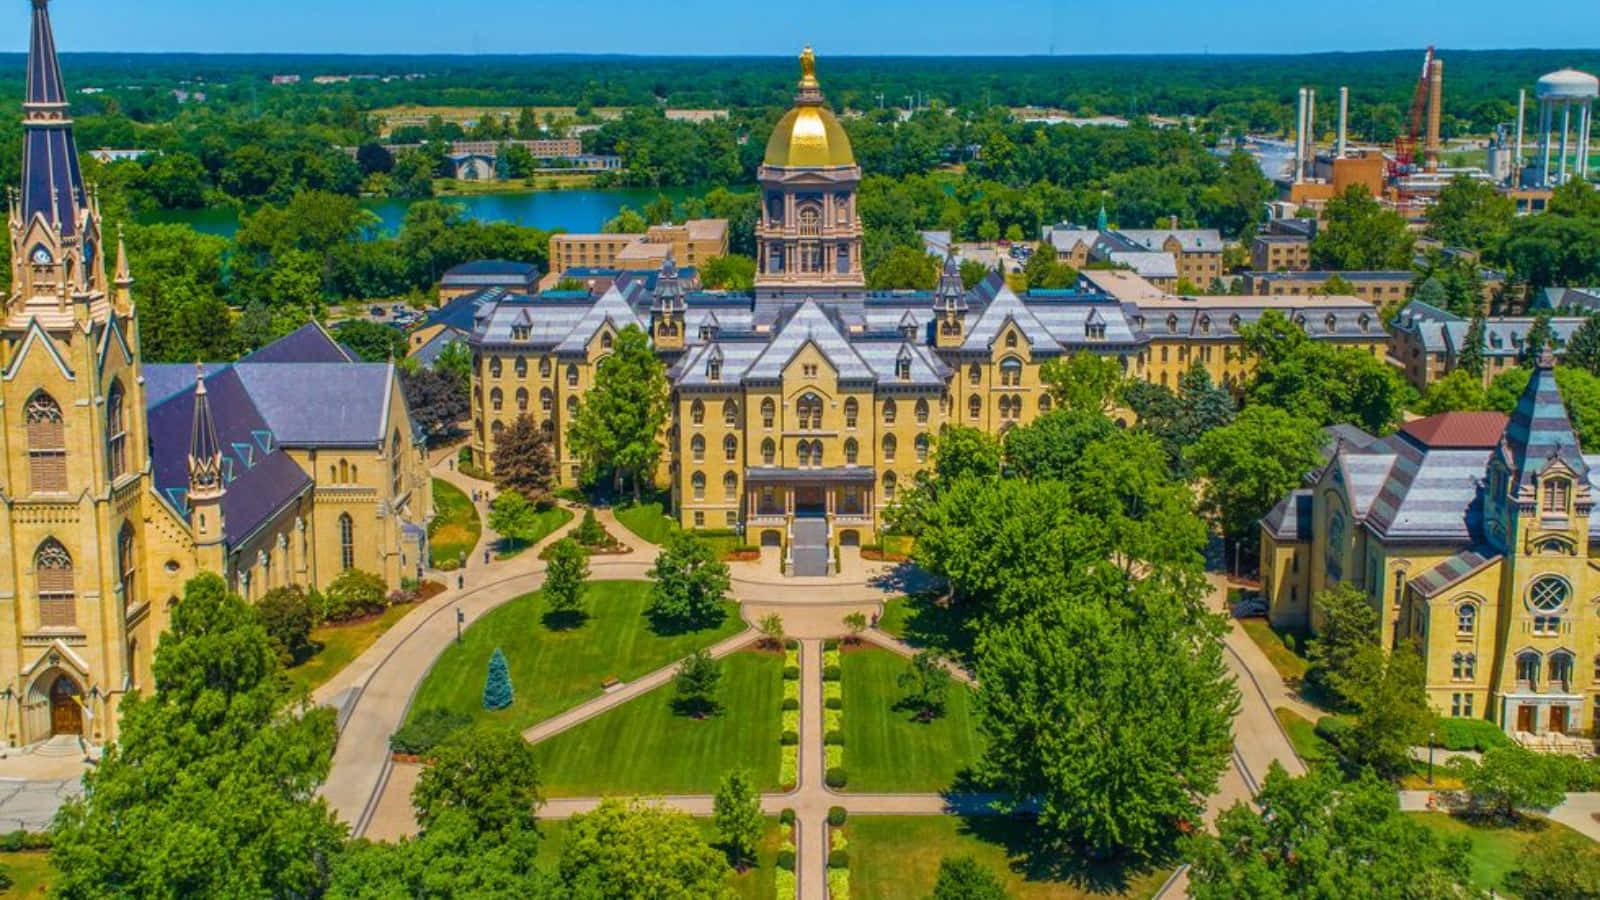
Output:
x,y
730,449
127,566
1044,403
1466,618
1528,668
496,428
116,431
802,453
347,541
544,367
768,410
851,410
1011,339
572,375
344,471
494,367
922,412
768,451
889,411
697,483
974,374
1548,593
548,426
889,482
522,399
697,448
547,400
496,399
1005,407
922,448
730,486
47,444
521,367
850,451
605,341
697,413
1557,491
1011,371
572,407
888,448
730,413
816,453
974,406
52,572
809,411
1561,670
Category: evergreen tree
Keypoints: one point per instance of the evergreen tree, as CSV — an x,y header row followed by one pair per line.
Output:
x,y
497,684
1583,351
964,878
1539,337
696,684
1350,625
1472,354
621,417
565,578
523,461
736,811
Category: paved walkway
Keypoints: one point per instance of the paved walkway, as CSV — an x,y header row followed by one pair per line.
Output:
x,y
1580,811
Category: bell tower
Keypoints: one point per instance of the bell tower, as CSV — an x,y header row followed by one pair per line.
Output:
x,y
667,308
950,307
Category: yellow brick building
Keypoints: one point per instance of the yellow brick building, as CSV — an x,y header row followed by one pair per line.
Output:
x,y
800,410
1473,536
122,480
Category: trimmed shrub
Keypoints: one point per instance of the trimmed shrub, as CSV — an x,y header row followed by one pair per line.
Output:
x,y
786,860
839,859
789,739
19,840
427,729
791,644
353,594
287,615
835,738
786,817
791,703
831,673
834,703
791,673
1332,729
589,532
830,644
837,816
1471,734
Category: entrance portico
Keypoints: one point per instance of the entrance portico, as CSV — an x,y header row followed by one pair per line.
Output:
x,y
839,496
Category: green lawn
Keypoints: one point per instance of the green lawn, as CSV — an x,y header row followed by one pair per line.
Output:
x,y
1308,745
545,522
886,749
31,873
552,670
643,747
1494,849
647,520
455,528
1277,646
922,621
342,642
755,884
898,856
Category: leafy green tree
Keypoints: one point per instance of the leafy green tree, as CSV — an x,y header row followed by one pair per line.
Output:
x,y
736,811
454,359
1509,781
1044,270
590,533
1583,350
731,273
1564,866
771,628
620,418
1459,390
855,624
287,615
1358,233
514,518
1247,467
1317,837
354,593
904,268
210,789
1178,419
488,774
566,577
972,272
1052,445
1052,684
1350,625
1539,337
1323,383
627,221
963,452
964,878
689,582
1087,382
1392,712
626,849
1470,213
372,341
926,683
523,460
497,692
695,683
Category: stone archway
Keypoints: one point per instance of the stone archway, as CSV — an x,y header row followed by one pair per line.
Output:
x,y
53,705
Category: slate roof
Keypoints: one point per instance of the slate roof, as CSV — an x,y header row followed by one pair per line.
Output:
x,y
1540,431
1290,520
1007,306
809,324
1441,331
1451,571
492,273
310,343
1149,264
1194,240
52,185
321,404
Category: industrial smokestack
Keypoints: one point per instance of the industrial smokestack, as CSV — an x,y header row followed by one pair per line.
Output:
x,y
1344,118
1311,132
1300,137
1516,161
1435,98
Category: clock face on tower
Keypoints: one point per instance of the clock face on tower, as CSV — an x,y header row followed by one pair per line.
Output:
x,y
42,257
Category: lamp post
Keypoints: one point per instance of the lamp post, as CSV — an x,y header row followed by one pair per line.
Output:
x,y
460,617
1430,759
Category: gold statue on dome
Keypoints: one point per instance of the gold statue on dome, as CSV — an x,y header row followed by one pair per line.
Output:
x,y
808,68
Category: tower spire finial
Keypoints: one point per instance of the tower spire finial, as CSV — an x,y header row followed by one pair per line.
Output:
x,y
52,184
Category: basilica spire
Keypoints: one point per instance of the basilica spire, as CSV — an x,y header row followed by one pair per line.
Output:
x,y
205,454
52,185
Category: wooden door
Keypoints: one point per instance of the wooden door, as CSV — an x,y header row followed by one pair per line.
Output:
x,y
66,716
1558,720
1526,717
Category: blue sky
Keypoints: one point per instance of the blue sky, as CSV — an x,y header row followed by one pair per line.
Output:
x,y
865,27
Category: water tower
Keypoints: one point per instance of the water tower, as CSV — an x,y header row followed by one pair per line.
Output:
x,y
1566,92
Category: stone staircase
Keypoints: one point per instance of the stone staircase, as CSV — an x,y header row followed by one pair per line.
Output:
x,y
809,551
59,746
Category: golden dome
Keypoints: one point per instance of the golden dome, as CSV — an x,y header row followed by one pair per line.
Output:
x,y
809,136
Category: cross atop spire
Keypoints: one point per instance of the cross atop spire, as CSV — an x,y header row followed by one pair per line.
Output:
x,y
51,183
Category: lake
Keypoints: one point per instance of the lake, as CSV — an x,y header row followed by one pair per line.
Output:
x,y
575,210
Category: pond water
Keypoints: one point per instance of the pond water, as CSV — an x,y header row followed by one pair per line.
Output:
x,y
574,210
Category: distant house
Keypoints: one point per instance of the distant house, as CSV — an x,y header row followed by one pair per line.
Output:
x,y
515,277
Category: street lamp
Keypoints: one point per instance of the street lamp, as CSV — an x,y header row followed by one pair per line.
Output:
x,y
1430,758
460,617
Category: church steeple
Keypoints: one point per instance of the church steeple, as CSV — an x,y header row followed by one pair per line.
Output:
x,y
950,306
52,185
667,308
207,481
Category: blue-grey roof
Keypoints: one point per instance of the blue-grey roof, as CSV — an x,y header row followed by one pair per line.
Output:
x,y
52,185
428,353
809,325
1290,520
1451,571
492,273
321,404
1008,307
310,343
1540,432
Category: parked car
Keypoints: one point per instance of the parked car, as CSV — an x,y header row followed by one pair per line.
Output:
x,y
377,312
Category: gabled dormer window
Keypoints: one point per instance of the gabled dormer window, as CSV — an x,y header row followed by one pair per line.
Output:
x,y
520,332
902,367
714,369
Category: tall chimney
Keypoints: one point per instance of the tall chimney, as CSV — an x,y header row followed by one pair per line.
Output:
x,y
1516,161
1311,132
1435,99
1344,118
1300,138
